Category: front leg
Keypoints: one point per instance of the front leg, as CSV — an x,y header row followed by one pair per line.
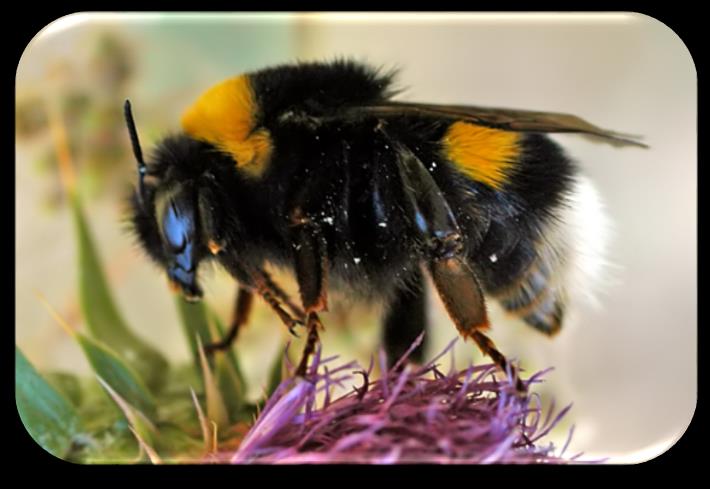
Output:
x,y
274,295
254,280
310,256
282,296
242,308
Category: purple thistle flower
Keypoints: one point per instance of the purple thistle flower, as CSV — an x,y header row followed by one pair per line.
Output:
x,y
410,415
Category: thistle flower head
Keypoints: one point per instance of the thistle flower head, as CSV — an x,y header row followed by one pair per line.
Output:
x,y
409,415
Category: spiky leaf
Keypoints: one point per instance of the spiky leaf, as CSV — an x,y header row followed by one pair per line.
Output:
x,y
103,318
218,333
118,374
141,427
216,407
229,377
193,317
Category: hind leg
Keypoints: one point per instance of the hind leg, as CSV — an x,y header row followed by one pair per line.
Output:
x,y
405,320
443,249
462,295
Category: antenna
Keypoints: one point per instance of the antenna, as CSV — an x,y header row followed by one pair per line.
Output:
x,y
142,169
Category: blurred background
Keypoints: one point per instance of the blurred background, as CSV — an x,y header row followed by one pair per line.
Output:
x,y
629,364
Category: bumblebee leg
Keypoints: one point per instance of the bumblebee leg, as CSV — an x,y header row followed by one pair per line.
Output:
x,y
271,294
462,296
311,265
313,324
442,244
281,295
405,320
240,317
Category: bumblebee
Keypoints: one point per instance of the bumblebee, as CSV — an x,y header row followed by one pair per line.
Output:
x,y
314,167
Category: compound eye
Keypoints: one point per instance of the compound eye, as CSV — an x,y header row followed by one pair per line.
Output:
x,y
178,226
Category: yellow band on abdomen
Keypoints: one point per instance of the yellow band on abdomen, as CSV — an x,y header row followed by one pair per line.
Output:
x,y
484,154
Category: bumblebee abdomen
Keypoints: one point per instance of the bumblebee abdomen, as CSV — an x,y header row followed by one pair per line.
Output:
x,y
484,154
523,253
526,278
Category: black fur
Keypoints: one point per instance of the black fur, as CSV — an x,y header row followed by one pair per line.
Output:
x,y
318,89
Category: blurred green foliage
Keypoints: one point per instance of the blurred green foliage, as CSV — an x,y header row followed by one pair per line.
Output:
x,y
70,417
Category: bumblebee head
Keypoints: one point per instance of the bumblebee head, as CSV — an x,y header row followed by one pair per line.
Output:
x,y
173,208
178,229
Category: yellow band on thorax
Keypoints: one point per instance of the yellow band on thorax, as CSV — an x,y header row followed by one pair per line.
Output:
x,y
225,116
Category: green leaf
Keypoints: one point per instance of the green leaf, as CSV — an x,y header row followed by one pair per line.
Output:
x,y
200,322
230,386
147,448
102,317
177,446
48,417
112,447
204,425
229,376
218,334
118,374
67,385
141,427
216,407
193,317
